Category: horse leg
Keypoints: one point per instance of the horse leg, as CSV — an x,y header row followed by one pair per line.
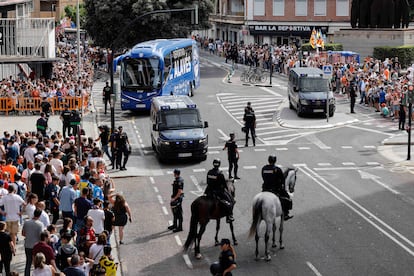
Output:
x,y
282,246
274,235
232,233
267,253
216,242
256,237
198,255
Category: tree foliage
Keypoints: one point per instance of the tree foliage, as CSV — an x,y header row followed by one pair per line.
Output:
x,y
123,23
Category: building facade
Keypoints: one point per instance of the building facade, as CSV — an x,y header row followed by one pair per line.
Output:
x,y
277,21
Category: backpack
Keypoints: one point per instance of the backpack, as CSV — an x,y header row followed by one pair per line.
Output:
x,y
21,189
62,258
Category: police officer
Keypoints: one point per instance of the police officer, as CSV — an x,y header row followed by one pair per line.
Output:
x,y
226,261
176,200
123,148
75,120
66,116
250,124
232,155
41,124
216,188
274,181
106,95
114,152
46,107
353,94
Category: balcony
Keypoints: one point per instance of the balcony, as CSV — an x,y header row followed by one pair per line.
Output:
x,y
236,18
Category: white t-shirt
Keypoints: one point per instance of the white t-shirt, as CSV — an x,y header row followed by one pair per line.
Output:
x,y
45,271
57,164
98,216
44,219
30,208
12,203
96,251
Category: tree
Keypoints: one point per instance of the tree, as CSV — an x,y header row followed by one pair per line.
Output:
x,y
117,23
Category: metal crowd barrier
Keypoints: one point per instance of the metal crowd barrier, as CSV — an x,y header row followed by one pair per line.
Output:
x,y
22,104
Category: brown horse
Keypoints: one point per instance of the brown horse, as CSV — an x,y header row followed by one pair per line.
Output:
x,y
203,209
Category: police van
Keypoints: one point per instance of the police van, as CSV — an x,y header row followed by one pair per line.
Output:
x,y
308,91
177,129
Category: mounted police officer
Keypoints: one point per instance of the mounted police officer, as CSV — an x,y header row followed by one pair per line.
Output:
x,y
176,202
217,188
274,181
66,116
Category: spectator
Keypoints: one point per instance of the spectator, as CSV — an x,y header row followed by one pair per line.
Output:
x,y
65,251
31,231
44,217
121,211
96,250
7,249
67,198
41,268
38,181
87,235
98,216
12,205
43,247
32,200
81,208
107,262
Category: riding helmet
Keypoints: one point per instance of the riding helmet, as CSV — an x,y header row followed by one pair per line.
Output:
x,y
272,159
216,163
177,171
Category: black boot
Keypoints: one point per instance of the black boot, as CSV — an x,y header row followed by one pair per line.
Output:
x,y
172,227
287,216
179,228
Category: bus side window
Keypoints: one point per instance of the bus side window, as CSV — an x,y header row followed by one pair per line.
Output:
x,y
167,66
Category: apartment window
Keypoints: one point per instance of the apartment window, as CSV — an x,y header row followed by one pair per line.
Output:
x,y
342,7
278,7
301,7
320,8
259,7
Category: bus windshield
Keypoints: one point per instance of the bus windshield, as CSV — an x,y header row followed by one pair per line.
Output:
x,y
179,119
313,85
141,73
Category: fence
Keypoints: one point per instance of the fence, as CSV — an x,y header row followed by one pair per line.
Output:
x,y
22,104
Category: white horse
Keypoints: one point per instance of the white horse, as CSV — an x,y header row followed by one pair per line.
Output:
x,y
266,206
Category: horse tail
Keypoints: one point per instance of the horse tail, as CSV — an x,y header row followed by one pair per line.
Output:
x,y
257,216
193,227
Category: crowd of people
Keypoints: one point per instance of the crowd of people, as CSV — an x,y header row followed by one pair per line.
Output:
x,y
54,188
380,85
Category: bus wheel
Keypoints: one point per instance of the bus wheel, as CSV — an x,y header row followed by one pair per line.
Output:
x,y
191,91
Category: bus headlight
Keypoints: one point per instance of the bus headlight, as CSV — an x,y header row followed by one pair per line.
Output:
x,y
303,102
164,143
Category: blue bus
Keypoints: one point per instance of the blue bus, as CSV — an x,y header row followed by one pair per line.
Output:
x,y
158,68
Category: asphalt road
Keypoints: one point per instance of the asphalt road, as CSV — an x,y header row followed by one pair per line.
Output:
x,y
352,207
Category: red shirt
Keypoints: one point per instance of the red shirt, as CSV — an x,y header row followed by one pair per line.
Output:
x,y
45,249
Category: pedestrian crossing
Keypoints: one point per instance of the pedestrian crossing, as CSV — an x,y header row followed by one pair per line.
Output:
x,y
265,107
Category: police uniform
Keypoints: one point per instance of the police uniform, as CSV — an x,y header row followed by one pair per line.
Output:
x,y
176,205
274,182
106,95
66,116
45,106
232,157
41,125
122,143
250,121
216,188
75,120
226,259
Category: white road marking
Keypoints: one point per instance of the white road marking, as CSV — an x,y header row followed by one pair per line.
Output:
x,y
373,164
324,164
370,147
304,148
156,189
364,213
199,170
259,149
348,163
164,209
366,175
313,269
214,152
187,261
249,167
152,180
160,199
223,135
178,240
370,130
271,92
346,147
281,148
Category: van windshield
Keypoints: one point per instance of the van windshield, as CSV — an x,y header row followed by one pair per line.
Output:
x,y
179,119
313,85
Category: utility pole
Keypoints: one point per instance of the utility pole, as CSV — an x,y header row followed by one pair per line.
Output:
x,y
410,99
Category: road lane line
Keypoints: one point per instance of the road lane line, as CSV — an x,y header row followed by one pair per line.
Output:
x,y
152,180
164,209
156,190
187,261
313,269
178,240
160,199
358,209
